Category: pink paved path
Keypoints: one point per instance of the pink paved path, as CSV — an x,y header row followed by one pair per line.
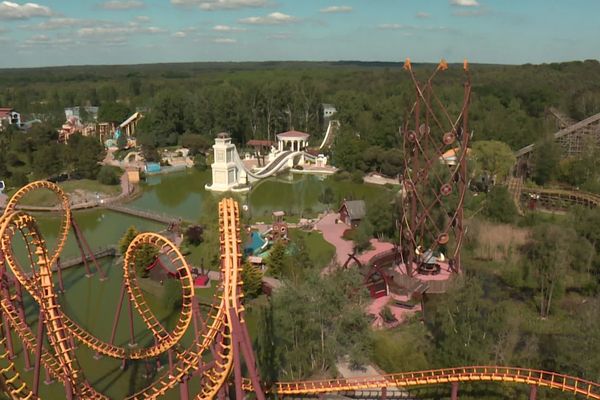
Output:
x,y
333,232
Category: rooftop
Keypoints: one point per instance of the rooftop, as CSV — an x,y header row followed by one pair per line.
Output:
x,y
256,142
293,134
356,208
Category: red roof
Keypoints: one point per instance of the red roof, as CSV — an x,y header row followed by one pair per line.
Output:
x,y
201,280
255,142
293,134
4,111
161,265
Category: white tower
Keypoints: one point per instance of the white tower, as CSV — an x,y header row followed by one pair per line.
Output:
x,y
224,169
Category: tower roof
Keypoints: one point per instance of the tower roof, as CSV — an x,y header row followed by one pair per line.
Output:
x,y
293,135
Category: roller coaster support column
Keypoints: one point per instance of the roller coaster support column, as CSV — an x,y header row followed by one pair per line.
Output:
x,y
88,272
61,284
117,315
241,335
533,392
184,390
5,294
454,391
132,342
384,393
21,311
38,355
82,242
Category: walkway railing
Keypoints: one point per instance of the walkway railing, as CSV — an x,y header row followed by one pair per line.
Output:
x,y
152,216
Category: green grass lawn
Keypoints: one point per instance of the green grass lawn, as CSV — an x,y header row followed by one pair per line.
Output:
x,y
47,198
321,252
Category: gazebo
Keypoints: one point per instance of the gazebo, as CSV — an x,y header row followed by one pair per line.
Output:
x,y
296,140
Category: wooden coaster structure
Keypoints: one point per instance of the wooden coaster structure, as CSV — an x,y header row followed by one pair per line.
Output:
x,y
434,186
220,343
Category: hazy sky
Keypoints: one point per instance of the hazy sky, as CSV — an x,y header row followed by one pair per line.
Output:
x,y
61,32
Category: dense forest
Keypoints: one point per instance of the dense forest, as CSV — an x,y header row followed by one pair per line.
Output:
x,y
255,101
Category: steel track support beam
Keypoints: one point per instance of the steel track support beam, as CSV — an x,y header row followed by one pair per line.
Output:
x,y
246,346
533,392
21,312
81,238
117,314
61,284
454,391
132,342
38,355
184,390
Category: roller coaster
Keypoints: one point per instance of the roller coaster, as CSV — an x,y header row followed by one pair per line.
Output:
x,y
220,336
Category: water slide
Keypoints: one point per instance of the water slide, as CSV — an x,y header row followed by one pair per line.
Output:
x,y
270,169
330,134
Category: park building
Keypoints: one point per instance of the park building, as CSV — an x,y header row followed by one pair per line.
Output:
x,y
9,116
328,111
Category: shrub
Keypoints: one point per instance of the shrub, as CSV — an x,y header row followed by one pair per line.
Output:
x,y
341,176
195,234
109,175
200,162
349,234
499,205
357,176
387,315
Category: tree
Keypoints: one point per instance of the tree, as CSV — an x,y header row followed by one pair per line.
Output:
x,y
548,252
364,234
493,157
18,179
466,325
109,175
145,256
327,196
83,155
127,238
194,234
195,143
113,112
200,162
313,323
48,160
381,216
122,141
252,278
277,260
546,158
499,205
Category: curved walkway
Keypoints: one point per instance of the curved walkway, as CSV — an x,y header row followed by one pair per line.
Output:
x,y
127,193
333,233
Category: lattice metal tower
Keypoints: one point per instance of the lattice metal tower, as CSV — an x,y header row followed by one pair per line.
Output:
x,y
435,174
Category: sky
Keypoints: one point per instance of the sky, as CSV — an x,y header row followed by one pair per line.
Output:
x,y
75,32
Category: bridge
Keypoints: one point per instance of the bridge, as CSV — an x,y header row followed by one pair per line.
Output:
x,y
110,251
149,215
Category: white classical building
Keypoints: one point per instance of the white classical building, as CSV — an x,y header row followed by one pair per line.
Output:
x,y
224,168
292,140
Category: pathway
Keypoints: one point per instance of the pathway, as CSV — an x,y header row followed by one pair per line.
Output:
x,y
333,232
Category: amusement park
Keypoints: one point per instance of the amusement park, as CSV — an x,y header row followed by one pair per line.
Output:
x,y
115,297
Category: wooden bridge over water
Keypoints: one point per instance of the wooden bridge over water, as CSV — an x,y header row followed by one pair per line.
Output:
x,y
149,215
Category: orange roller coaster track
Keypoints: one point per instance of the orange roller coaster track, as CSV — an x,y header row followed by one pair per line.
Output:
x,y
222,332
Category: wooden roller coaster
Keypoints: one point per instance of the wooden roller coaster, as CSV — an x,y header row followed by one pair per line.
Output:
x,y
220,336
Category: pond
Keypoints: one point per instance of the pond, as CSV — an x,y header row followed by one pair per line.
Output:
x,y
182,194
